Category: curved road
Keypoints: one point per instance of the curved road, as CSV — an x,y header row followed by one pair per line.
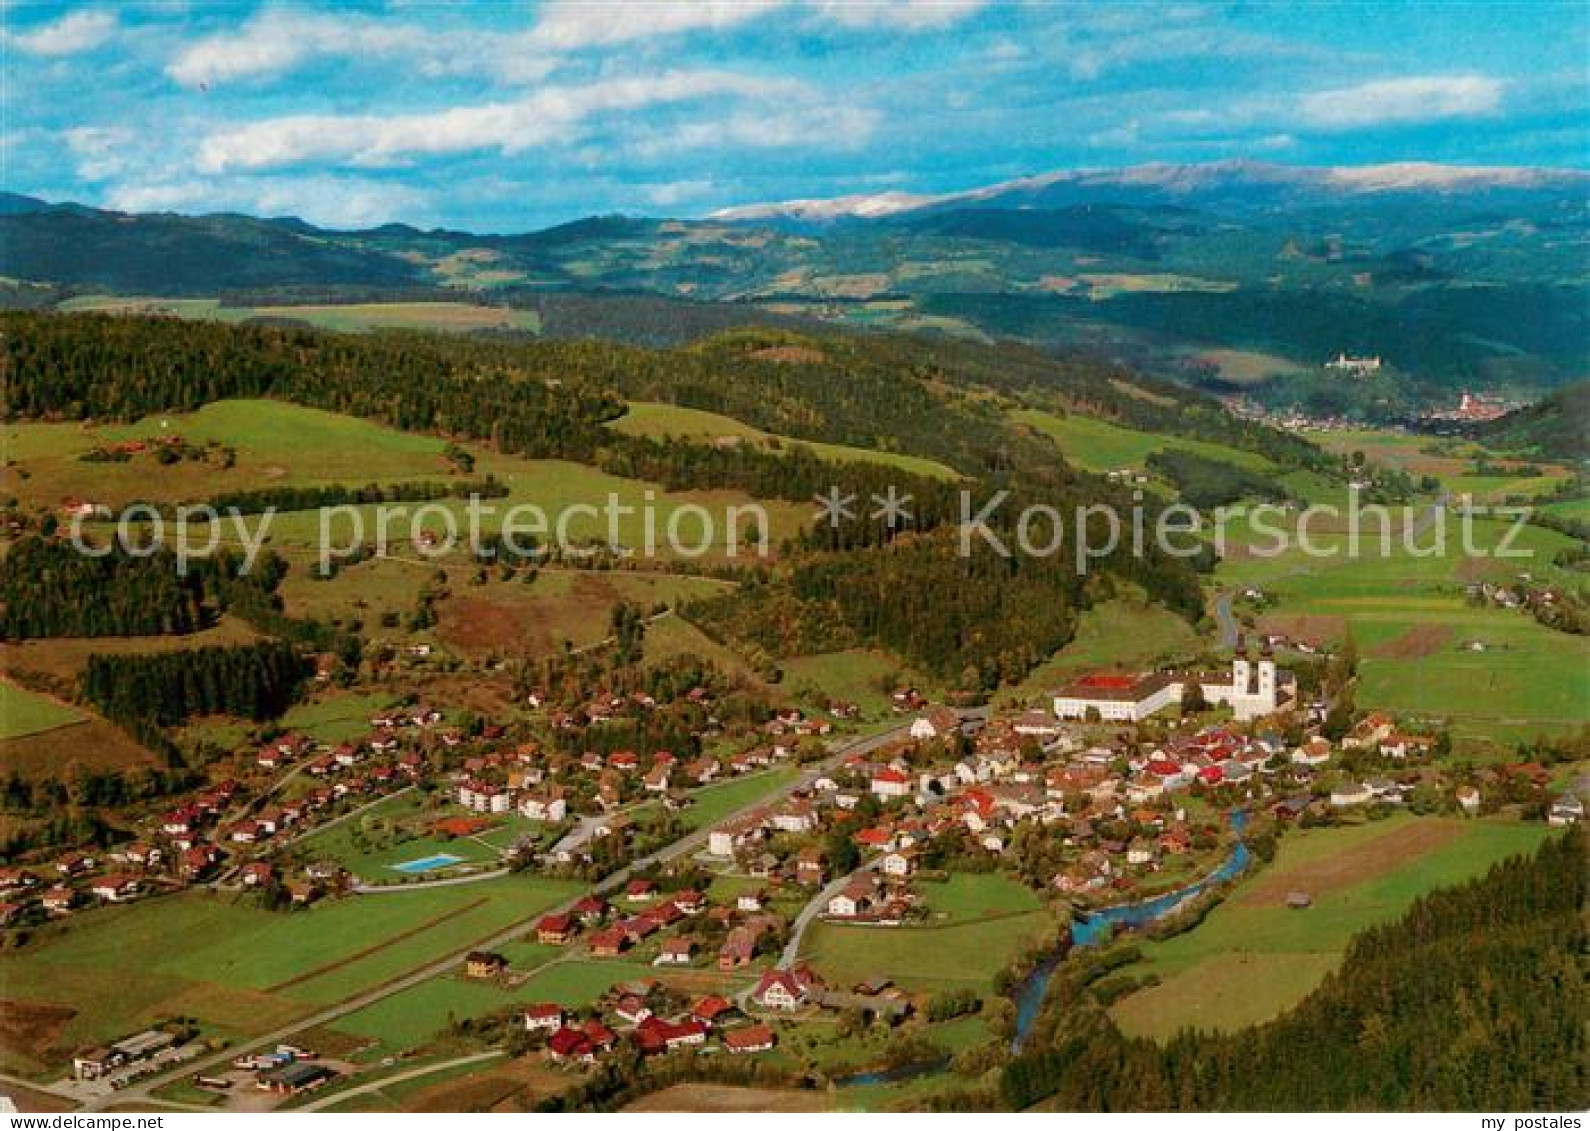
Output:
x,y
809,913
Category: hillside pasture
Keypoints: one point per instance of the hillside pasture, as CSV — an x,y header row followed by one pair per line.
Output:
x,y
459,317
1098,445
651,418
24,712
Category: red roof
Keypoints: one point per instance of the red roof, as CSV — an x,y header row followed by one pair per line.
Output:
x,y
1105,681
570,1042
890,774
710,1007
749,1037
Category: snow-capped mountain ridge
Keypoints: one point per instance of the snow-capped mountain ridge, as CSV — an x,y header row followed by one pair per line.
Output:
x,y
1167,181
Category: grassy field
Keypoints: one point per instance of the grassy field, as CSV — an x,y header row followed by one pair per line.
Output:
x,y
456,316
715,802
988,920
1254,957
23,712
967,897
239,969
1451,461
1412,623
1126,632
649,418
1095,445
864,677
278,444
336,717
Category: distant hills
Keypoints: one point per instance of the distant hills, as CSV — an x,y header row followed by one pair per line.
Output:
x,y
1246,183
1238,277
1558,427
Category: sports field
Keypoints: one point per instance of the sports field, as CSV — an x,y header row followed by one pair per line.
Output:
x,y
1254,957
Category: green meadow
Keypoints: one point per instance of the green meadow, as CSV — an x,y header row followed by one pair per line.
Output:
x,y
348,317
977,925
1097,445
650,418
279,444
1496,674
240,969
1253,957
23,712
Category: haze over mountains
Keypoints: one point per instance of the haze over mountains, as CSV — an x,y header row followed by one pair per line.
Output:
x,y
1232,275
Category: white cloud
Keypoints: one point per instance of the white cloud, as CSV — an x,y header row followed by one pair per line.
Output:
x,y
1401,101
69,35
276,40
552,114
100,151
907,15
675,193
567,25
330,201
837,128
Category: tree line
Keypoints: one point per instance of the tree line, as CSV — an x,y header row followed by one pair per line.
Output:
x,y
1474,1000
252,681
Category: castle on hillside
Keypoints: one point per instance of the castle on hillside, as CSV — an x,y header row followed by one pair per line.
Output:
x,y
1251,689
1357,366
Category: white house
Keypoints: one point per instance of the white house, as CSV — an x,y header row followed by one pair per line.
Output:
x,y
1567,810
890,782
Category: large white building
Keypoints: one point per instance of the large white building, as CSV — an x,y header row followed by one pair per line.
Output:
x,y
1251,690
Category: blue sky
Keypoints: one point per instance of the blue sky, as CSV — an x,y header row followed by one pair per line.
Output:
x,y
510,116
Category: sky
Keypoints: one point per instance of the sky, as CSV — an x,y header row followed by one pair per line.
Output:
x,y
511,116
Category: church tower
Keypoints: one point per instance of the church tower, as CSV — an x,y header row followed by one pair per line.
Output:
x,y
1241,672
1267,676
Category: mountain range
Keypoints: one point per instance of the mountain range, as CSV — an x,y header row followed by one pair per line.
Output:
x,y
1241,277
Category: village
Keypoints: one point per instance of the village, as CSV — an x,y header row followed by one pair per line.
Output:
x,y
1119,787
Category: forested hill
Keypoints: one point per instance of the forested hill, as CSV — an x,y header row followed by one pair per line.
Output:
x,y
952,402
1558,427
926,396
1475,1001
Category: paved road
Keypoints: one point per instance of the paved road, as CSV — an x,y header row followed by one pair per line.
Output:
x,y
142,1091
396,1078
809,913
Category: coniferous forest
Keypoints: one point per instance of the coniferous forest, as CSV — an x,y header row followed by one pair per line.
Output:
x,y
902,586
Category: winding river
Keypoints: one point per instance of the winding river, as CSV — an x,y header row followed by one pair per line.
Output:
x,y
1099,926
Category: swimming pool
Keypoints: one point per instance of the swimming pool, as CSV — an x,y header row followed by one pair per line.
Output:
x,y
428,863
